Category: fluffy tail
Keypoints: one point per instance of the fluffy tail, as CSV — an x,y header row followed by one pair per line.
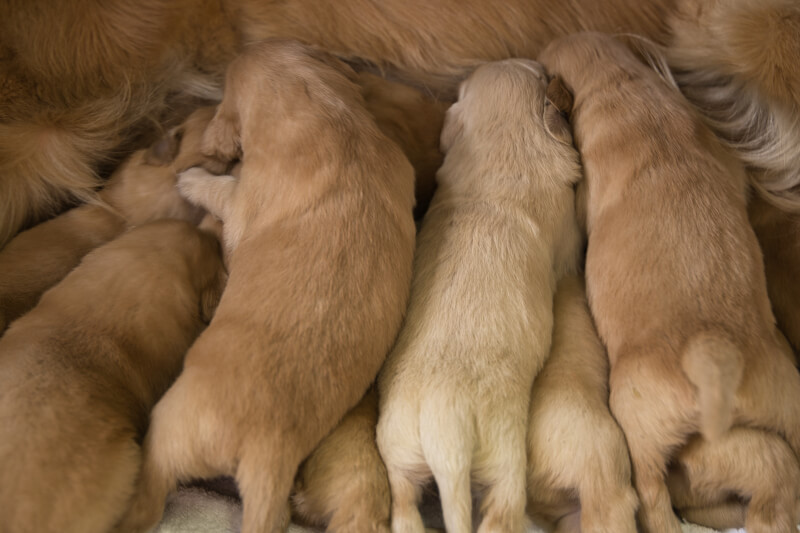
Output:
x,y
714,366
447,437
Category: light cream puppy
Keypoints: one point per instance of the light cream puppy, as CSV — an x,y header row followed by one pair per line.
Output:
x,y
674,273
80,373
142,189
500,232
748,478
320,237
579,471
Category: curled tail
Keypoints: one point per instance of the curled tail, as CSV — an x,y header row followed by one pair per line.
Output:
x,y
714,366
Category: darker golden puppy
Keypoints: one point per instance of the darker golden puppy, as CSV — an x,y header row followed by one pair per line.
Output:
x,y
748,478
320,235
80,372
674,272
142,189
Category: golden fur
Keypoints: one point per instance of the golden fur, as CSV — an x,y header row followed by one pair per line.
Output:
x,y
579,472
342,486
674,272
779,235
748,478
736,60
499,233
142,189
80,372
82,80
412,120
320,234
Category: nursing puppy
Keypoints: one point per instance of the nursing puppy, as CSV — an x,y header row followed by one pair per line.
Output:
x,y
142,189
80,372
414,121
579,472
674,273
779,236
500,232
320,234
342,486
748,478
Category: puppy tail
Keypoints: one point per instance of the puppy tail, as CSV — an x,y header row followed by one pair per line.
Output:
x,y
714,366
448,439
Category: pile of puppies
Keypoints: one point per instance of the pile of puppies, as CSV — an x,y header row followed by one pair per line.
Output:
x,y
580,333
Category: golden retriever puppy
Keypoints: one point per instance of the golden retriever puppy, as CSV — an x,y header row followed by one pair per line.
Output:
x,y
499,233
778,233
320,233
579,472
414,121
735,59
674,273
142,189
80,372
748,478
342,486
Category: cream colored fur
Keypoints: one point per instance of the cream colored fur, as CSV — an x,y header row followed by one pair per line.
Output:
x,y
142,189
579,472
498,235
80,372
320,234
675,276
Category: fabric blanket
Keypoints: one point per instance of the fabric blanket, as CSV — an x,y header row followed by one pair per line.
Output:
x,y
200,510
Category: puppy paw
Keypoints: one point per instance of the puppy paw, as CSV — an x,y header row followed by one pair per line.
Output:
x,y
189,181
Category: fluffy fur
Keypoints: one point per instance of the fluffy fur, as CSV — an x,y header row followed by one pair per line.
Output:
x,y
735,59
499,233
320,233
779,235
674,272
142,189
748,478
342,486
80,372
82,80
579,472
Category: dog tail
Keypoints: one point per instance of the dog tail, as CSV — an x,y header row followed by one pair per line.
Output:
x,y
714,366
448,437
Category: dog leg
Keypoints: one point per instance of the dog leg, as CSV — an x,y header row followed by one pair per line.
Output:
x,y
503,506
265,482
209,191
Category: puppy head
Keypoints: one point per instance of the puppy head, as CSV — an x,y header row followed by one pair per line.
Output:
x,y
143,187
511,104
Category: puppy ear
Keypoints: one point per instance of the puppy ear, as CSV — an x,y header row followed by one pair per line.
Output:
x,y
221,140
558,103
166,149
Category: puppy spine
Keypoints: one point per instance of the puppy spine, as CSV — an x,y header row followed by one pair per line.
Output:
x,y
714,366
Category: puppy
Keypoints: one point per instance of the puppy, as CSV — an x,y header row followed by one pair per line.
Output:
x,y
500,232
320,234
748,478
674,273
579,472
414,121
342,486
80,372
779,236
142,189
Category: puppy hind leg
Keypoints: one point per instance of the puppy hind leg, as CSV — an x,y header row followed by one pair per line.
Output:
x,y
503,505
265,476
406,496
